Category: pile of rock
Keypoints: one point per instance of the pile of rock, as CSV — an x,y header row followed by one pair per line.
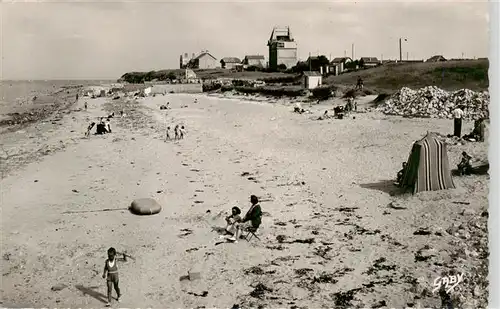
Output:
x,y
432,102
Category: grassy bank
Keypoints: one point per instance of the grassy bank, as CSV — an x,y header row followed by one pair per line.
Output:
x,y
449,75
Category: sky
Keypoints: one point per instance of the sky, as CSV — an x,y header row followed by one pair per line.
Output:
x,y
104,39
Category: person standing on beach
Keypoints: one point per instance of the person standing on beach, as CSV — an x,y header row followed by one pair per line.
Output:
x,y
182,132
111,275
89,128
458,114
108,125
176,132
167,135
76,97
85,105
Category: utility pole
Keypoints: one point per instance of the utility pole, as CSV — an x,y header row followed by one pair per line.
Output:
x,y
345,53
352,52
310,61
407,56
400,51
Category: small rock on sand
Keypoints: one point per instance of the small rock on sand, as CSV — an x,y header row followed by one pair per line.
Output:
x,y
58,287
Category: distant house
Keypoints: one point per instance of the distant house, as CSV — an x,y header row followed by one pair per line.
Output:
x,y
312,79
437,58
338,65
369,62
230,62
203,61
255,60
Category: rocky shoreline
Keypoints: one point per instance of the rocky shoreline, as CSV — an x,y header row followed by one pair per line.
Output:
x,y
43,107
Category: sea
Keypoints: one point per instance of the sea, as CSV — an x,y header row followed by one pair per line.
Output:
x,y
16,96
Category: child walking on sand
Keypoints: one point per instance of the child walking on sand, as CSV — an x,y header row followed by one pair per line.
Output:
x,y
111,270
167,134
182,132
176,132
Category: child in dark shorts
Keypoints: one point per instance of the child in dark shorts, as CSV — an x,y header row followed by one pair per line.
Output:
x,y
111,270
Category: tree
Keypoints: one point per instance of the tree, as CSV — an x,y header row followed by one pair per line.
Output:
x,y
361,63
300,67
282,67
171,76
317,62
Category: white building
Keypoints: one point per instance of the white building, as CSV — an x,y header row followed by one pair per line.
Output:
x,y
312,79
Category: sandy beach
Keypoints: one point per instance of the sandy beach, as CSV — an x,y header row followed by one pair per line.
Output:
x,y
329,237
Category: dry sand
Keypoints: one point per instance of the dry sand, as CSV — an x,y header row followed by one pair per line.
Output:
x,y
326,224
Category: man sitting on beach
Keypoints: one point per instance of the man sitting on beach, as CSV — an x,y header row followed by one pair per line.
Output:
x,y
252,219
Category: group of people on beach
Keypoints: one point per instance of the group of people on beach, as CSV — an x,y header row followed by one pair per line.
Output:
x,y
178,133
236,225
103,127
250,222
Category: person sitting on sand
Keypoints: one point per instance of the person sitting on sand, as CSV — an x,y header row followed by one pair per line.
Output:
x,y
298,108
400,174
252,219
465,167
233,220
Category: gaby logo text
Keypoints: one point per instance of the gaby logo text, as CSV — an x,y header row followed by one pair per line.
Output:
x,y
449,282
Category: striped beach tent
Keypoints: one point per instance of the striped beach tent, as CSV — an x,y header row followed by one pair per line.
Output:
x,y
427,167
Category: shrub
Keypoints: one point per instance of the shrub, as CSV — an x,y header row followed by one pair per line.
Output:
x,y
280,79
211,87
322,93
272,91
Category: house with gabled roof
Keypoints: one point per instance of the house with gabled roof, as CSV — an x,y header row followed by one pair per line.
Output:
x,y
230,62
369,62
338,65
204,61
255,60
437,58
